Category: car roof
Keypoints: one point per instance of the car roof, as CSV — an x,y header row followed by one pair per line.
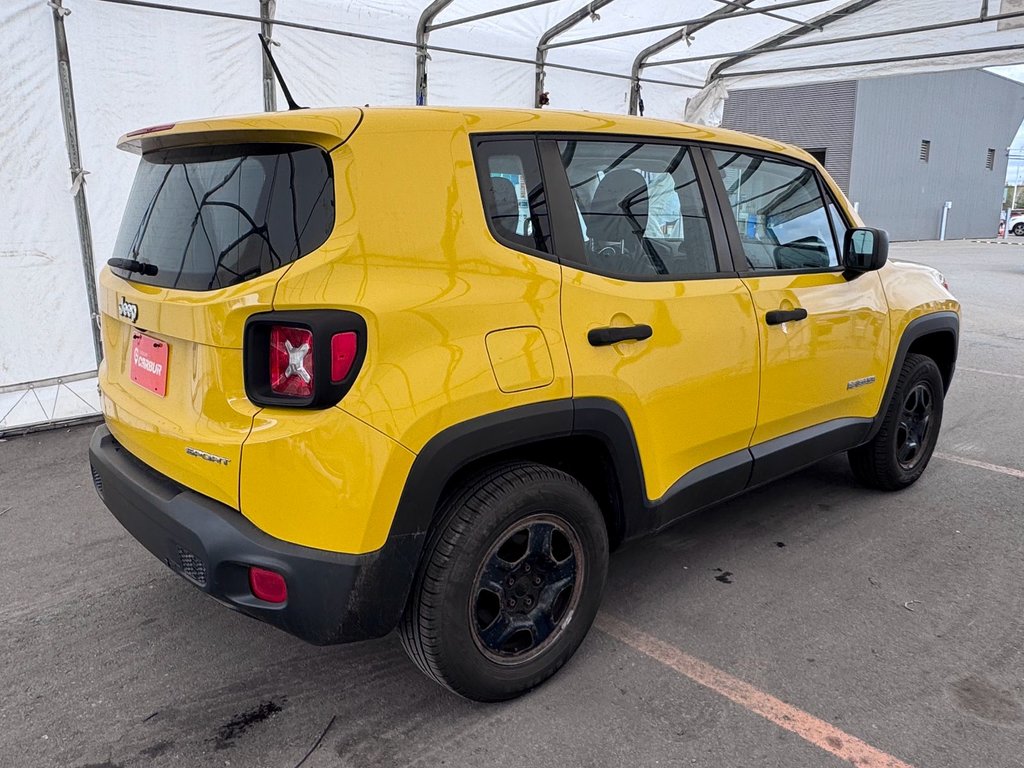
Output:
x,y
476,120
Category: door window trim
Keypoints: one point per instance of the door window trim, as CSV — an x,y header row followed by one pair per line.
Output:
x,y
568,223
740,263
483,179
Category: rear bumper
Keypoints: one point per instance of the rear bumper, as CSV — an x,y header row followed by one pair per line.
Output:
x,y
332,597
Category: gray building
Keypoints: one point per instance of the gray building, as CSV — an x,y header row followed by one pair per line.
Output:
x,y
901,147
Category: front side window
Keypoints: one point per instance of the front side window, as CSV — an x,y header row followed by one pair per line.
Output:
x,y
640,208
513,193
782,219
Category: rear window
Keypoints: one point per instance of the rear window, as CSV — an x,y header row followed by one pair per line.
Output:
x,y
212,217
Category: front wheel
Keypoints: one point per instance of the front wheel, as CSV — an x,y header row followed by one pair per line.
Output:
x,y
510,582
899,453
1018,229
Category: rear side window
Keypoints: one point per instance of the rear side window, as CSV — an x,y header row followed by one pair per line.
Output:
x,y
640,208
513,193
212,217
781,216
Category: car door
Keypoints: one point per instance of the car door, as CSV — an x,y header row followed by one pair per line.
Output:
x,y
824,333
652,320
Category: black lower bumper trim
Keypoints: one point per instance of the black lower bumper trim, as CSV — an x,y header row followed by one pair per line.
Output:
x,y
332,597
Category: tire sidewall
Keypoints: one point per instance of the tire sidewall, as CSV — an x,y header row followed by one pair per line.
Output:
x,y
923,370
464,665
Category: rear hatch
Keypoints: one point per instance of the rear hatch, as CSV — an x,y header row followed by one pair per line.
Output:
x,y
218,211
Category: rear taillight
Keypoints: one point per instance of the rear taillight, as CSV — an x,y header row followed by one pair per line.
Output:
x,y
302,359
291,361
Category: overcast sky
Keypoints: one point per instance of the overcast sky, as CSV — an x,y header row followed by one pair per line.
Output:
x,y
1015,169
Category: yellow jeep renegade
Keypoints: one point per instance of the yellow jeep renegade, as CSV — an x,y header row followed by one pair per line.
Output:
x,y
421,368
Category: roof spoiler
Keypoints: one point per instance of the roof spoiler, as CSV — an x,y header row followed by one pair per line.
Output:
x,y
327,130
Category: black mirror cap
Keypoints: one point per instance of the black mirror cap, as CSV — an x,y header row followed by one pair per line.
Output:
x,y
865,249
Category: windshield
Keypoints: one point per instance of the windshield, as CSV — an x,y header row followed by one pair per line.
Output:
x,y
212,217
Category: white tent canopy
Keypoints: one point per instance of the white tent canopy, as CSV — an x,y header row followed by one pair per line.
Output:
x,y
138,63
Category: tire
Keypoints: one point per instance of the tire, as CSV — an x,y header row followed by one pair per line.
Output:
x,y
458,629
1018,229
899,453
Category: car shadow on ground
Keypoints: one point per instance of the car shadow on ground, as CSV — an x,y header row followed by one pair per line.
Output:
x,y
250,688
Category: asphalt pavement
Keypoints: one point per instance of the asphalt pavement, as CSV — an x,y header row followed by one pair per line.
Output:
x,y
809,623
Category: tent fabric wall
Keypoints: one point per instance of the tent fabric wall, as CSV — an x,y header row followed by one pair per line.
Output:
x,y
135,66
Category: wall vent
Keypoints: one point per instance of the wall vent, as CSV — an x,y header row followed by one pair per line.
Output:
x,y
990,159
926,150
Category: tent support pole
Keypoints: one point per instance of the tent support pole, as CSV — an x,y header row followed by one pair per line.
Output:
x,y
635,101
428,15
267,10
710,17
490,14
67,103
570,21
844,39
885,60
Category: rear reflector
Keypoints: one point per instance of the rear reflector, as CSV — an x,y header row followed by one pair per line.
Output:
x,y
291,361
343,354
267,585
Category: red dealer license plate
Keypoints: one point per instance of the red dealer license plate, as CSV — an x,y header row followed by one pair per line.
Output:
x,y
149,363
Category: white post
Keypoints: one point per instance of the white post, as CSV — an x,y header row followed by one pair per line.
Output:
x,y
945,215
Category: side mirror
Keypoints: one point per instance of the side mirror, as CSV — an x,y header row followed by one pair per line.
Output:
x,y
865,249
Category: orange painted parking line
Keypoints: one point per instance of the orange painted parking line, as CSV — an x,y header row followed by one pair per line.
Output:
x,y
808,727
981,464
990,373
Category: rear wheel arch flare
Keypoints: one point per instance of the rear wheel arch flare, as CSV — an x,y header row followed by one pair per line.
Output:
x,y
588,438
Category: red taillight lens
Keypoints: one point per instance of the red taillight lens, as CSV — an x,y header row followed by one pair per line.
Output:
x,y
267,585
343,354
291,361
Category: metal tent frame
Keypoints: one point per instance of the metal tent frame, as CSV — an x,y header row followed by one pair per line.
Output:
x,y
679,31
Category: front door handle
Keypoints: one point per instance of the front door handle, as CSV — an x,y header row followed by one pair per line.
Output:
x,y
780,316
602,337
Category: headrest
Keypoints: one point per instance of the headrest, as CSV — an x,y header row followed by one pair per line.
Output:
x,y
505,203
619,207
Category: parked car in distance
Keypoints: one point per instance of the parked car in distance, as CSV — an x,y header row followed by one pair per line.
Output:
x,y
422,369
1015,225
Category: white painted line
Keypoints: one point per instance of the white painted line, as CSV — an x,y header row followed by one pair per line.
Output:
x,y
981,465
990,373
811,729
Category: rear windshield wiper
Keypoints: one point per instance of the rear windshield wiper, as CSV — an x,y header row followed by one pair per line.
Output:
x,y
133,265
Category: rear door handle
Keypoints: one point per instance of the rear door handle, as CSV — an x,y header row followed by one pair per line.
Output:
x,y
780,316
602,337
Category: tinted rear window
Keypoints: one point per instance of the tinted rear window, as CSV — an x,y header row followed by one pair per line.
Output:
x,y
217,216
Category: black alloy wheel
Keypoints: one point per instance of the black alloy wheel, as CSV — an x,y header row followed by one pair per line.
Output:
x,y
509,583
915,421
527,589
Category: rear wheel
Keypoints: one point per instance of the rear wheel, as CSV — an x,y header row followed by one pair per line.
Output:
x,y
510,582
899,453
1018,229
